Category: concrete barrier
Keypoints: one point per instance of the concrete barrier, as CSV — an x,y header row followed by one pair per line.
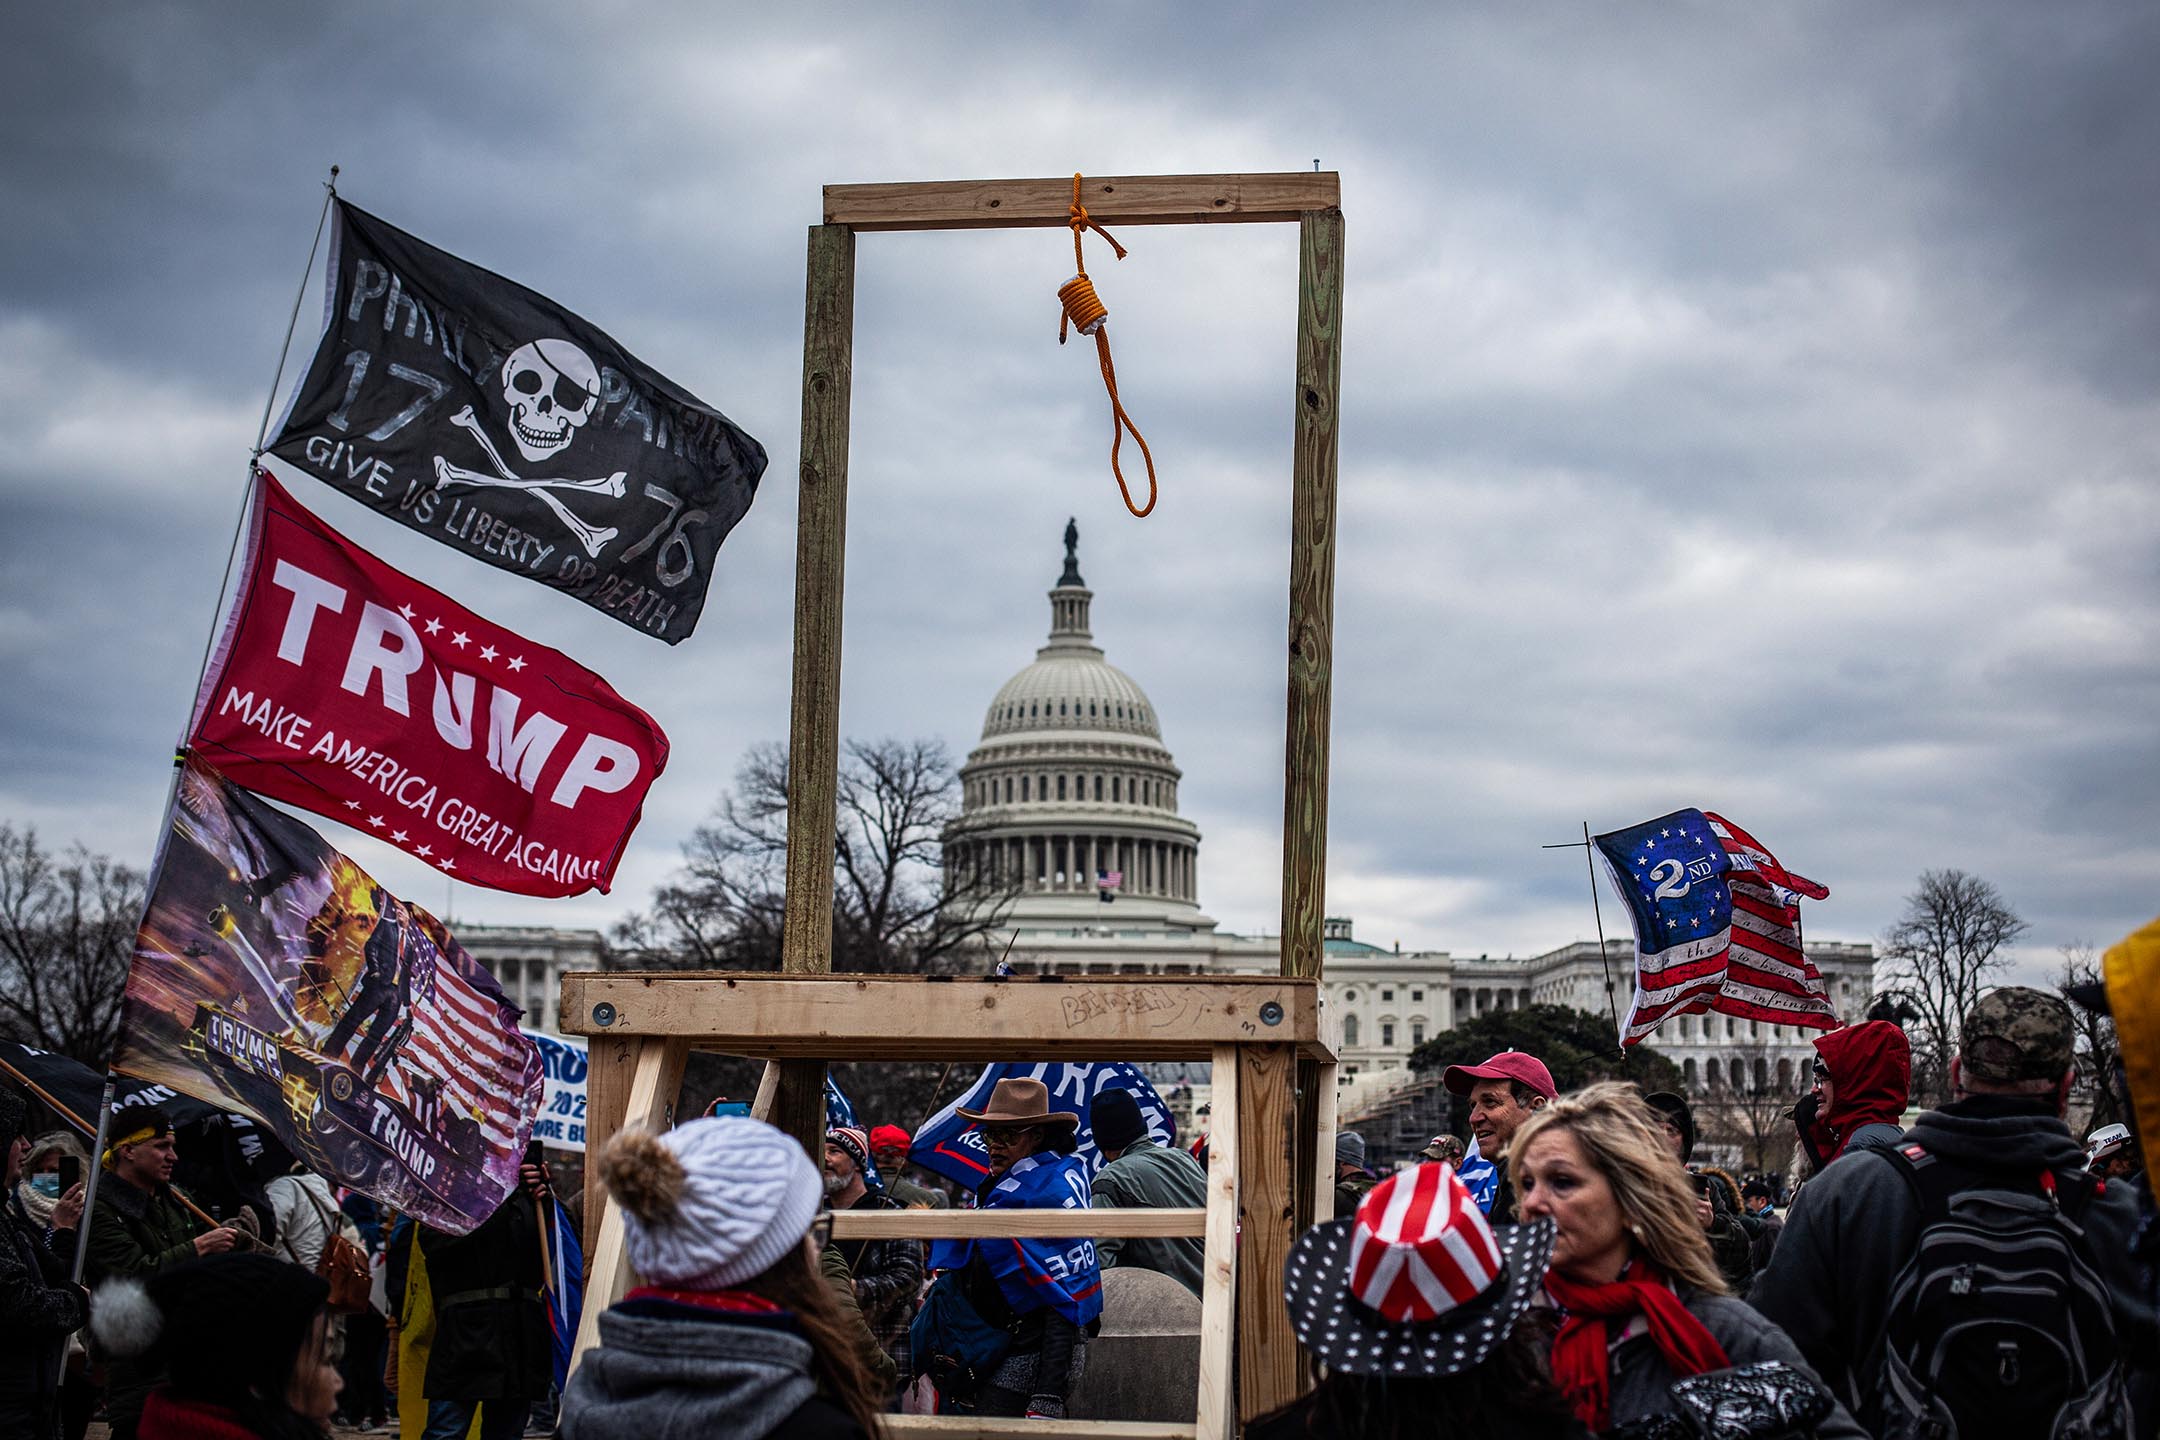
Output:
x,y
1145,1365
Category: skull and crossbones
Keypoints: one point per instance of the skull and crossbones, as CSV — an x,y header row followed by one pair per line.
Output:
x,y
552,389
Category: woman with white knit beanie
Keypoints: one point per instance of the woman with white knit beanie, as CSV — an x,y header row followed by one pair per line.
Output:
x,y
734,1332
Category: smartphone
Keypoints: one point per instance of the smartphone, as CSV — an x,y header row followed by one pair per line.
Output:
x,y
70,1173
536,1154
1702,1183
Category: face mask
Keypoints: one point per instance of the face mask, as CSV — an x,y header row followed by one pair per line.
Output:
x,y
47,1184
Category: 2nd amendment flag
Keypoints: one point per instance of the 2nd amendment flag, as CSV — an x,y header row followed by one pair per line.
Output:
x,y
486,416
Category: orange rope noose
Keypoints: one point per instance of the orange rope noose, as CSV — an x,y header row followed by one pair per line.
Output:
x,y
1085,312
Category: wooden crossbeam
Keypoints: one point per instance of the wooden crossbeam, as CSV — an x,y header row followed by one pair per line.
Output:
x,y
990,1427
913,1017
1112,199
993,1224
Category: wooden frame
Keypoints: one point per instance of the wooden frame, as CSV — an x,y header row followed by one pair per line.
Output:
x,y
1270,1170
642,1027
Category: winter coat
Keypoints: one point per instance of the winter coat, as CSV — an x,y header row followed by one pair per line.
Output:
x,y
888,1280
1306,1418
1870,1067
39,1308
1856,1224
833,1270
1730,1244
491,1327
1767,1226
135,1233
664,1369
1642,1381
302,1229
167,1417
1152,1177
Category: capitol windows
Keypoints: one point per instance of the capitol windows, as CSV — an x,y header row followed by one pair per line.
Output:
x,y
1349,1031
1098,788
1417,1032
1008,789
1023,786
1387,994
1387,1035
1061,709
1714,1074
1784,1076
1061,787
1417,995
1687,1072
1114,789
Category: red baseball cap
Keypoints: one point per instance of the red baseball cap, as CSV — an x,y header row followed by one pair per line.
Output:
x,y
890,1137
1507,1065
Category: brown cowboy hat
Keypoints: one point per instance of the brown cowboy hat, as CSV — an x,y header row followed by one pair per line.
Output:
x,y
1020,1102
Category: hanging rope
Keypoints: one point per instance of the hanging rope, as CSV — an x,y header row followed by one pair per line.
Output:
x,y
1085,312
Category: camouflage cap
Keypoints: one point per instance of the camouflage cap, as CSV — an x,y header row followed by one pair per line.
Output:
x,y
2017,1034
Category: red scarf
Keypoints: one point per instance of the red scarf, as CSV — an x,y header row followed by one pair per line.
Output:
x,y
1582,1355
734,1302
166,1417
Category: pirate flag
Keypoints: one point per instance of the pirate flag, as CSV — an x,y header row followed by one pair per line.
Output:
x,y
490,418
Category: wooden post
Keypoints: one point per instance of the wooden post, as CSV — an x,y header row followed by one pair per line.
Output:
x,y
1218,1281
609,1062
1312,645
1268,1367
814,727
655,1081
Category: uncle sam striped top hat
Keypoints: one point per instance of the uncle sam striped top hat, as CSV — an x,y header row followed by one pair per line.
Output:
x,y
1416,1283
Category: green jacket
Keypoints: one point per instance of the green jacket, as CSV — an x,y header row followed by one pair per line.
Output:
x,y
135,1234
138,1234
1152,1177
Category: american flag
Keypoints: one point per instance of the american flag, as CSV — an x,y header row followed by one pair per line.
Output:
x,y
1716,925
1107,883
465,1036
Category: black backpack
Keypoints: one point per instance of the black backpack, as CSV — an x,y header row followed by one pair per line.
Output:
x,y
1999,1326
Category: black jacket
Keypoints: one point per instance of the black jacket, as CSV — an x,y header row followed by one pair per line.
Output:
x,y
491,1329
39,1307
1852,1228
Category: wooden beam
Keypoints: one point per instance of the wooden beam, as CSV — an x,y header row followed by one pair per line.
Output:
x,y
1267,1350
814,719
1111,199
656,1080
610,1062
1312,591
995,1224
1218,1266
910,1017
1326,1117
991,1427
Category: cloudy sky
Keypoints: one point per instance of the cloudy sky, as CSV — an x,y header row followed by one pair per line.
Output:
x,y
1751,408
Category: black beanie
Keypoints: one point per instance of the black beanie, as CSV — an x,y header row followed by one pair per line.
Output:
x,y
234,1324
1115,1118
1675,1108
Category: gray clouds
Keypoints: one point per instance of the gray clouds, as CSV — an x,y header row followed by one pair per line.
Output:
x,y
1743,410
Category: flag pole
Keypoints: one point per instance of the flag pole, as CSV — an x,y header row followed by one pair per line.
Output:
x,y
262,432
90,1181
1590,862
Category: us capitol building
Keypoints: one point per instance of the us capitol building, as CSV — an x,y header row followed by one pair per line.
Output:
x,y
1071,794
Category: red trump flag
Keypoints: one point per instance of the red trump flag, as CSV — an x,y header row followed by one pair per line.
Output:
x,y
344,686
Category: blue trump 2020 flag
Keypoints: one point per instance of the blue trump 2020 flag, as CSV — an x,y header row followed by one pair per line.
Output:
x,y
948,1145
1671,873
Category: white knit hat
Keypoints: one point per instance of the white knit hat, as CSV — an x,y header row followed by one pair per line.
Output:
x,y
711,1203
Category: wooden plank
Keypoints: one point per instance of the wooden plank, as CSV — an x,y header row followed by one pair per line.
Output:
x,y
1267,1350
656,1080
610,1061
864,1017
1112,199
1019,1427
1312,591
977,1224
1324,1143
820,564
768,1087
1218,1270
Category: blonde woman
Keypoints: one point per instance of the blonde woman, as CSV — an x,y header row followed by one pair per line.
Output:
x,y
1641,1302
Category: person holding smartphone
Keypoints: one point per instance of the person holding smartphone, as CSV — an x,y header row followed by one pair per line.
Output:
x,y
39,1307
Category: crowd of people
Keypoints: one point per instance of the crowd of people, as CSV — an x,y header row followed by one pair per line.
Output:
x,y
1572,1269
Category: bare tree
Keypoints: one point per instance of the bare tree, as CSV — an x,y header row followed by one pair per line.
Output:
x,y
1751,1110
898,905
2096,1049
1953,935
67,935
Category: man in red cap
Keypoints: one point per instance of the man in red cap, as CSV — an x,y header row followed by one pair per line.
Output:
x,y
889,1147
1503,1092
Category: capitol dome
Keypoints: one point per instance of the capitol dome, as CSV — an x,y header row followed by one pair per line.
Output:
x,y
1071,794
